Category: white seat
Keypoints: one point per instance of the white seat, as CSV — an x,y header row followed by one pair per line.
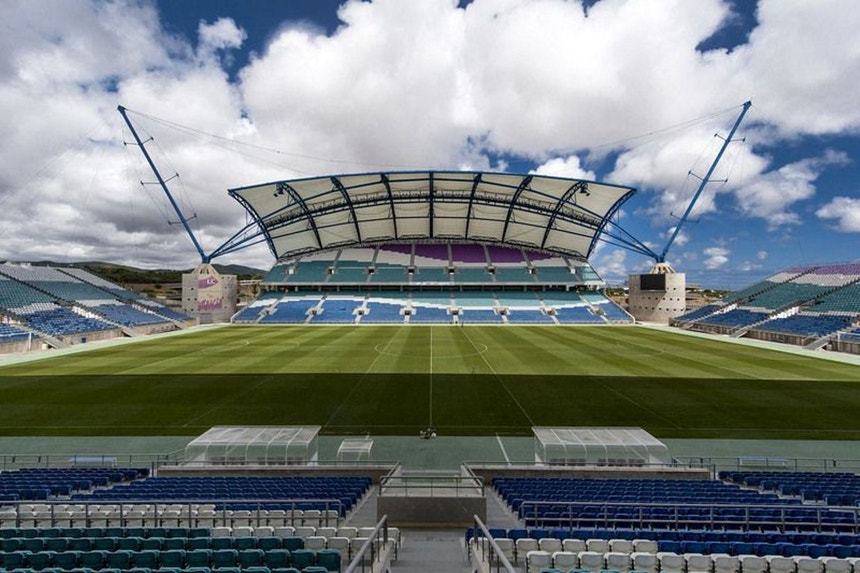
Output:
x,y
305,531
239,517
506,545
285,531
565,560
243,531
778,564
537,560
644,561
341,544
222,531
725,564
836,565
524,545
698,563
394,534
671,562
753,564
621,546
574,545
346,531
312,517
315,542
591,560
264,531
549,544
327,531
597,545
205,518
276,517
809,565
366,531
617,561
645,546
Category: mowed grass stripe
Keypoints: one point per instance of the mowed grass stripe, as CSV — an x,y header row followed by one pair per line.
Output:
x,y
485,380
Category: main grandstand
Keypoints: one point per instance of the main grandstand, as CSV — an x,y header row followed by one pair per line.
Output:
x,y
432,247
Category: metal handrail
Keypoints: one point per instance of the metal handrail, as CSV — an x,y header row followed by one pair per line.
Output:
x,y
602,518
495,556
126,507
435,484
370,544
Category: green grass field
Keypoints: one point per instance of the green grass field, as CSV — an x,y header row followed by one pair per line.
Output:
x,y
469,381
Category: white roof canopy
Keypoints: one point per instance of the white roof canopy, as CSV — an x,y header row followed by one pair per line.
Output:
x,y
537,212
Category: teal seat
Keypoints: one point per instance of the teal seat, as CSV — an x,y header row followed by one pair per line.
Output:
x,y
114,532
268,543
157,532
10,544
192,543
257,569
140,570
286,570
148,558
136,532
278,559
67,560
120,559
56,544
72,532
173,558
40,560
15,560
197,570
315,569
152,543
216,543
225,558
33,544
251,558
293,543
198,532
177,532
198,558
103,544
28,532
303,558
329,559
93,559
8,532
128,543
243,543
79,544
168,570
168,543
51,532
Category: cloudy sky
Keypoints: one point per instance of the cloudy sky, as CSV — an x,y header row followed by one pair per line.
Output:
x,y
232,93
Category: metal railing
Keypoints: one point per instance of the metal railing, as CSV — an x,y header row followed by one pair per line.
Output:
x,y
375,553
166,513
571,515
487,556
428,484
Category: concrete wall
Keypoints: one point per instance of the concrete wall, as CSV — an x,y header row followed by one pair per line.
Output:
x,y
657,306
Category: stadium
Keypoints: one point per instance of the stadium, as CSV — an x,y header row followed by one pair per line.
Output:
x,y
432,378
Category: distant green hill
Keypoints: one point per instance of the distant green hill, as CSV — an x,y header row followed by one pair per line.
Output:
x,y
131,275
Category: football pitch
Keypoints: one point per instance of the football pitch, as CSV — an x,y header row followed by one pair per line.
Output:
x,y
396,380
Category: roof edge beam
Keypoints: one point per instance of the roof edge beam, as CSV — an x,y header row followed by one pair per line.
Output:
x,y
522,187
475,182
578,187
339,186
284,187
387,184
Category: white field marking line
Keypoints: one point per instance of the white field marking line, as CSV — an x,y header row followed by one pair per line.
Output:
x,y
502,447
360,380
499,378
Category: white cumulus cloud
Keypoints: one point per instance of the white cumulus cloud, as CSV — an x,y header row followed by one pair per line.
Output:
x,y
846,212
716,257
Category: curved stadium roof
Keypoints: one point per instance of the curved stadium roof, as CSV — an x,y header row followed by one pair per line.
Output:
x,y
554,214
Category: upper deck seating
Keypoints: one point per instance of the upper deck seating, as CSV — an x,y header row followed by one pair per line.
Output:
x,y
807,324
845,300
468,253
698,313
834,488
738,317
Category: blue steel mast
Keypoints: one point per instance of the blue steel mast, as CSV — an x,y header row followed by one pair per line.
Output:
x,y
203,256
661,258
